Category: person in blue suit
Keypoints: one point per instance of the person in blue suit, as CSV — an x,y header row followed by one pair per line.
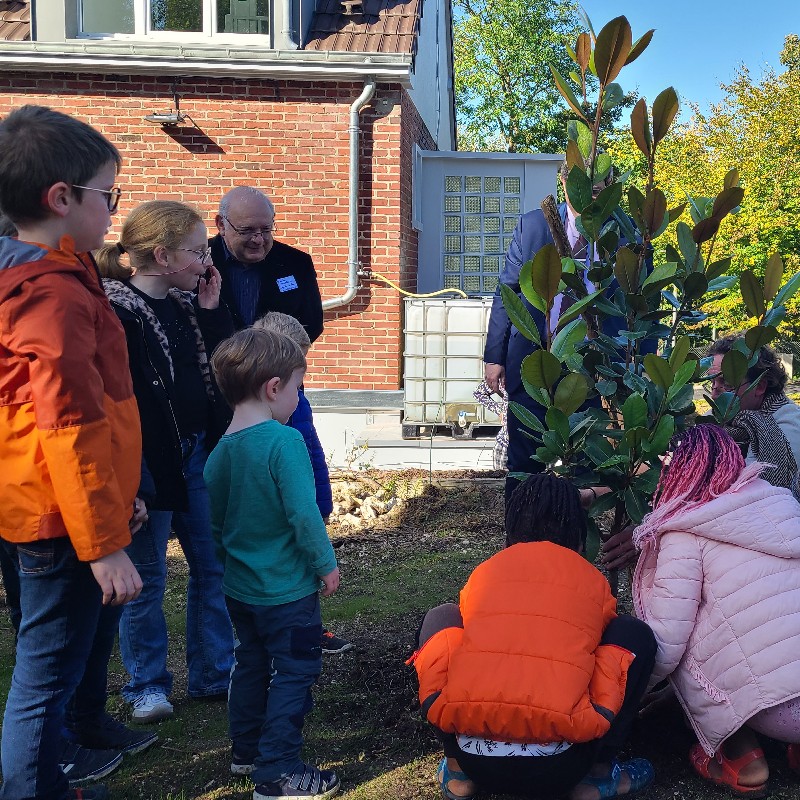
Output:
x,y
506,347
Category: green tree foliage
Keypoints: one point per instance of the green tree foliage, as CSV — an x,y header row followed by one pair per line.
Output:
x,y
754,128
505,95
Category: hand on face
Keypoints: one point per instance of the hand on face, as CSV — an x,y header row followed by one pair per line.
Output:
x,y
208,290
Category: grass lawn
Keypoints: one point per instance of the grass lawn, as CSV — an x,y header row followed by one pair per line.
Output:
x,y
366,723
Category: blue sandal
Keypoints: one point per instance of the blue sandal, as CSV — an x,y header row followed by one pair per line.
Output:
x,y
445,775
640,771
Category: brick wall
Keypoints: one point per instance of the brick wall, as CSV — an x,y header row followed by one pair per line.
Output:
x,y
289,139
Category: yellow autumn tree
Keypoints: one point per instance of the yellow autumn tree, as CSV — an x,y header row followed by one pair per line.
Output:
x,y
753,129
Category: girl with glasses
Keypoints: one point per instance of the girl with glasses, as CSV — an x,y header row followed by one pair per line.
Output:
x,y
167,300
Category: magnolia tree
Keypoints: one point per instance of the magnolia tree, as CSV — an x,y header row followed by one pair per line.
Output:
x,y
615,374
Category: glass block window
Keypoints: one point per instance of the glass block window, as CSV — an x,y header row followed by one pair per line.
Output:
x,y
480,214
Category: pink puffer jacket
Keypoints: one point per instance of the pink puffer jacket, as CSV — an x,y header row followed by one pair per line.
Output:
x,y
720,587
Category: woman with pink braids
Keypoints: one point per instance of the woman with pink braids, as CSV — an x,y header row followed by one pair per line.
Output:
x,y
718,581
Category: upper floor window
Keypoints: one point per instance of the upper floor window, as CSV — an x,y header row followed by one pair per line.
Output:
x,y
187,17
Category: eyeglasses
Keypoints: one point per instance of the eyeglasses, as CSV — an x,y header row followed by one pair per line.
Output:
x,y
202,255
248,233
112,195
717,382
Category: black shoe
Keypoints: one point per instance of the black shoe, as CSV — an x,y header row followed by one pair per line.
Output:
x,y
82,765
306,781
106,733
333,645
98,792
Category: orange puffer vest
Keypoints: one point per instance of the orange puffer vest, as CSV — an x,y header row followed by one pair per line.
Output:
x,y
527,665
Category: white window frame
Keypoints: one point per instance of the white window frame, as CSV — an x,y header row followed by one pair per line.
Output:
x,y
209,34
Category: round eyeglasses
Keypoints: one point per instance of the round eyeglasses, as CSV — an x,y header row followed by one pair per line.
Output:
x,y
112,195
202,255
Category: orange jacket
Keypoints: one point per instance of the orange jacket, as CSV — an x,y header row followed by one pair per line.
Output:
x,y
70,443
528,665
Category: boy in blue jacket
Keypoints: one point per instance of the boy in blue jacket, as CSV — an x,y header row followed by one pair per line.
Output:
x,y
303,420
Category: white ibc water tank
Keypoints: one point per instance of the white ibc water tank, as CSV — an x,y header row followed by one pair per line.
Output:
x,y
443,361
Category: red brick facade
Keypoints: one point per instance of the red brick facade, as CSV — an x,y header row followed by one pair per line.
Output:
x,y
291,140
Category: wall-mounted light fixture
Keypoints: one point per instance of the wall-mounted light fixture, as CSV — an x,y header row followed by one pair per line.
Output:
x,y
174,116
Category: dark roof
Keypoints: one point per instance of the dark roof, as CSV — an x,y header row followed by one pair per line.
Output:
x,y
382,26
15,20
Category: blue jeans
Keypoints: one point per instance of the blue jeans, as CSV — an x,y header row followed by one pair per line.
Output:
x,y
278,660
143,635
61,604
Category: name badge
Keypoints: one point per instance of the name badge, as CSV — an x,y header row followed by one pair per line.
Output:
x,y
287,284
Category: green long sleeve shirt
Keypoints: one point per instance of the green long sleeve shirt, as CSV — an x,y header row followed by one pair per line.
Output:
x,y
264,516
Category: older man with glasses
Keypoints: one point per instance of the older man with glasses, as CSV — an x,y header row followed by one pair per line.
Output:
x,y
260,274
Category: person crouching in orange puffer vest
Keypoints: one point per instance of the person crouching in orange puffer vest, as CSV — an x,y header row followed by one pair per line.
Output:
x,y
532,681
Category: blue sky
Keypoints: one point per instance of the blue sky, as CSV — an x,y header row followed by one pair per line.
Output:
x,y
698,44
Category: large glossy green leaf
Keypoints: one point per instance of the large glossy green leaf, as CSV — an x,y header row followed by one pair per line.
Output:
x,y
731,178
582,136
567,338
665,108
566,92
541,396
663,272
583,51
705,229
718,268
695,286
602,166
613,96
660,437
557,421
579,189
788,290
734,368
526,417
686,244
773,275
571,393
634,411
659,370
541,369
608,200
577,308
726,201
683,375
759,336
678,355
636,505
640,127
654,211
574,156
626,270
612,48
546,272
519,315
526,287
752,293
639,46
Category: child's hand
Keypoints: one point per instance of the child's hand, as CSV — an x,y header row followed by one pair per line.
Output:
x,y
139,515
331,583
118,578
208,290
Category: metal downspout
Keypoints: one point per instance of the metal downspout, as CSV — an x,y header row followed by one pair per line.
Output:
x,y
352,239
287,31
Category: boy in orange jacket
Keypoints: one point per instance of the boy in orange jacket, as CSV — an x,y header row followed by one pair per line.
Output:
x,y
70,442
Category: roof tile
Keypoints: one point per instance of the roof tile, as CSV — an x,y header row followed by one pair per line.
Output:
x,y
15,20
384,26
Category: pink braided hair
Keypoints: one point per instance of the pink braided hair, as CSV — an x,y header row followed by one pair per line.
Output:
x,y
706,462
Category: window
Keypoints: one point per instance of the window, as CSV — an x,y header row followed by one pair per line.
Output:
x,y
198,17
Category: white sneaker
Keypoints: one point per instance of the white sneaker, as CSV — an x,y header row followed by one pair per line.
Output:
x,y
151,706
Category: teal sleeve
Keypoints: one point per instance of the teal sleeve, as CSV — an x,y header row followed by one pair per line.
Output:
x,y
295,479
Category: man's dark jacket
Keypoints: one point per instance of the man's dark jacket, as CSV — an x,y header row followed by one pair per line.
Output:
x,y
303,303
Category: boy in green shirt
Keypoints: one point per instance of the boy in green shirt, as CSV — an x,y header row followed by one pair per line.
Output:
x,y
275,549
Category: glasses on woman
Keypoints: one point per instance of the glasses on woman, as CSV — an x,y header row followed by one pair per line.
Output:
x,y
112,195
202,255
249,233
